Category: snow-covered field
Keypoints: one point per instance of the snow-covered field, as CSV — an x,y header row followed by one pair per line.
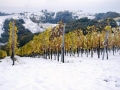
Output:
x,y
77,73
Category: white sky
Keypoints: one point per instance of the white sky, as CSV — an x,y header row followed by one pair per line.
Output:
x,y
94,6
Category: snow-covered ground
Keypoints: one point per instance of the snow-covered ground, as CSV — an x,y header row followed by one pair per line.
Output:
x,y
77,73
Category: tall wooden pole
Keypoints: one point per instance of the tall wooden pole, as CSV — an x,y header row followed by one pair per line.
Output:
x,y
106,43
63,43
13,42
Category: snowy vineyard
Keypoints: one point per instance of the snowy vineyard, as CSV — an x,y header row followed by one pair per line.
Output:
x,y
84,67
49,43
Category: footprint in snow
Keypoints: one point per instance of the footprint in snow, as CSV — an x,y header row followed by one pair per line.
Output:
x,y
117,85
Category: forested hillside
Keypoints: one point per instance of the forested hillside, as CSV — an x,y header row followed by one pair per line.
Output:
x,y
3,14
83,23
102,16
51,17
54,17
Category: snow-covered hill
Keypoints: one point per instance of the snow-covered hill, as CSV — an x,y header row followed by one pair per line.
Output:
x,y
41,16
2,19
80,14
75,14
33,27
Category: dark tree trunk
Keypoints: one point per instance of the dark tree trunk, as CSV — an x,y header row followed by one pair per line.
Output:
x,y
58,54
48,53
77,51
99,49
70,51
51,53
91,52
113,49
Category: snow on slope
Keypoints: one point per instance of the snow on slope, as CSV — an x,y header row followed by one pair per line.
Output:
x,y
80,14
1,25
78,73
3,18
33,27
37,15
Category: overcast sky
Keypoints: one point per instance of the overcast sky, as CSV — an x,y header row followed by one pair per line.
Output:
x,y
93,6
